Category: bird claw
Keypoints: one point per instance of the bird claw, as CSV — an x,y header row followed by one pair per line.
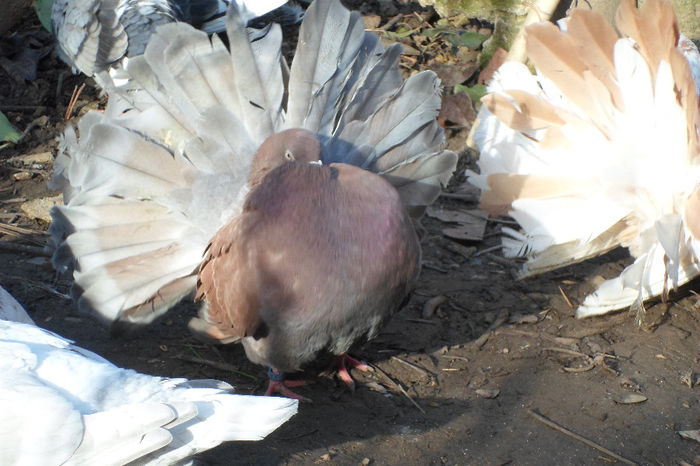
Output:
x,y
341,363
280,386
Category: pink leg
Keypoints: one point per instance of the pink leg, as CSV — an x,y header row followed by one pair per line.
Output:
x,y
281,386
341,362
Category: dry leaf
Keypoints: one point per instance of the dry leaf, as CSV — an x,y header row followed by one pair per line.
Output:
x,y
496,61
457,109
471,224
487,393
630,399
690,434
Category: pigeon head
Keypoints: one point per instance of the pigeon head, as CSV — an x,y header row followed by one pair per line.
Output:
x,y
292,145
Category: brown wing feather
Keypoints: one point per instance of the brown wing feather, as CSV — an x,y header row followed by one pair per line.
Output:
x,y
595,39
653,27
554,54
226,281
531,113
508,187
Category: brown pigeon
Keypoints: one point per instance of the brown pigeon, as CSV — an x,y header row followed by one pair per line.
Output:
x,y
285,206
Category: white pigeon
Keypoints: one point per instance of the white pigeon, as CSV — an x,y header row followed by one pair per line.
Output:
x,y
99,35
599,149
62,404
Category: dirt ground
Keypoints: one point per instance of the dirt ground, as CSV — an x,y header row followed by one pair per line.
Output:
x,y
473,382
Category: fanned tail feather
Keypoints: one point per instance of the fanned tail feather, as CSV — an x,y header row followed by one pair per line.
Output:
x,y
598,150
351,94
178,136
152,179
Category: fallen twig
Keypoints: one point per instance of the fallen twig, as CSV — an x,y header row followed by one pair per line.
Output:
x,y
411,365
566,298
421,321
484,251
500,320
215,364
24,248
460,196
398,386
22,231
431,306
73,100
448,356
389,24
434,267
500,260
576,436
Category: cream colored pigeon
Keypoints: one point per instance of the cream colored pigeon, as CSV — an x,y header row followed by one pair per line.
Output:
x,y
599,149
62,404
282,196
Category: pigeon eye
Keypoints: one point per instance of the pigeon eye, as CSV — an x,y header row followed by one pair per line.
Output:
x,y
288,155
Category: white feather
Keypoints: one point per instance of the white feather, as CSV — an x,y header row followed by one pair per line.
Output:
x,y
631,172
61,404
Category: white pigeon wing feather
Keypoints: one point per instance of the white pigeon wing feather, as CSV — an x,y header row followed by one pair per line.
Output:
x,y
62,404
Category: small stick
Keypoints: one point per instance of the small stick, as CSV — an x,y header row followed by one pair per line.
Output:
x,y
460,196
15,247
461,358
500,260
431,306
481,341
215,364
422,321
21,108
399,387
484,251
434,267
576,436
421,19
23,231
73,100
389,24
411,365
566,298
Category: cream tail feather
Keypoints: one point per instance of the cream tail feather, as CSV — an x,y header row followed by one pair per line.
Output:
x,y
151,180
598,150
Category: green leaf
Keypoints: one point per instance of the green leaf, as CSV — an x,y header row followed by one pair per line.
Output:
x,y
399,33
432,33
472,40
475,92
7,132
43,11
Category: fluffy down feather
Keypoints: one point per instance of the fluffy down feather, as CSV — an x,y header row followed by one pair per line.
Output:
x,y
599,149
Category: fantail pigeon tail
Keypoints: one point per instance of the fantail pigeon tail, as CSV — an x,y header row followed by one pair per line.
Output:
x,y
406,142
573,153
124,234
323,65
353,97
163,168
